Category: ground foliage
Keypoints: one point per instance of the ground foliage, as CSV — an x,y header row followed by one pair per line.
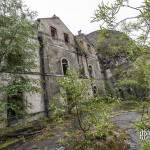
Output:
x,y
91,114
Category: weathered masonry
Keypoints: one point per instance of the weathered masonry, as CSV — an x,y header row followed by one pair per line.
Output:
x,y
59,50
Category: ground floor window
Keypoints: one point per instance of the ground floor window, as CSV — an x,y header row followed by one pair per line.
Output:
x,y
90,70
94,89
15,108
65,65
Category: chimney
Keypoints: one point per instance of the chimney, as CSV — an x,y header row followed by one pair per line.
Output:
x,y
79,32
54,16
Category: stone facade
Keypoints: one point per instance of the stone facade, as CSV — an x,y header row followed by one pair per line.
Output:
x,y
58,44
33,101
109,63
59,50
88,61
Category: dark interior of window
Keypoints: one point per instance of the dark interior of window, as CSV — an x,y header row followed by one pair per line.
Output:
x,y
66,38
53,33
64,66
121,93
90,71
15,108
89,47
94,88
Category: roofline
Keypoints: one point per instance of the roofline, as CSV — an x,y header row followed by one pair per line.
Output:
x,y
86,39
48,18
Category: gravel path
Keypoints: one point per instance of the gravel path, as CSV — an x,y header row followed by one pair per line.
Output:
x,y
125,121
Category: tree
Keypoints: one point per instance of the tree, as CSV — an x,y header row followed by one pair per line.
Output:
x,y
136,31
90,112
17,30
107,13
17,49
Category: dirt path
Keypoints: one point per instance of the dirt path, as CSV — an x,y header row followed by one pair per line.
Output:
x,y
50,143
125,121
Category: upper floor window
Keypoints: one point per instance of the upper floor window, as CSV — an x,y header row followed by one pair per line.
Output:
x,y
81,44
89,47
65,65
54,33
82,72
90,69
66,38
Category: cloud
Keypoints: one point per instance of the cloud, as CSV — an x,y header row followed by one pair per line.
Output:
x,y
76,14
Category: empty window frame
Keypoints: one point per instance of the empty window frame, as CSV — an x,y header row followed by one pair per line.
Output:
x,y
66,38
15,108
94,89
65,65
53,33
89,47
81,44
90,70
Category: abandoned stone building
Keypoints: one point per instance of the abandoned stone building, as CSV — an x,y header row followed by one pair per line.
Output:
x,y
59,50
110,62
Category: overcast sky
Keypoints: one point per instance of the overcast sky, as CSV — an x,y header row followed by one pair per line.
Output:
x,y
76,14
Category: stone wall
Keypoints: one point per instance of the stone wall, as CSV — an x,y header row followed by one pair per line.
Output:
x,y
91,59
54,51
49,64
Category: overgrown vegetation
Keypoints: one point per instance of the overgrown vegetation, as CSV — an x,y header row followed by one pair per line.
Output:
x,y
17,54
129,55
91,115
